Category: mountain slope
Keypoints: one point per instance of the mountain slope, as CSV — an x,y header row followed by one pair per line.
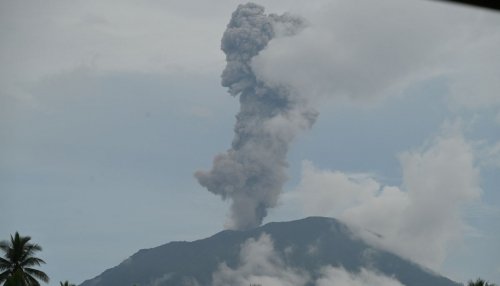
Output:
x,y
181,263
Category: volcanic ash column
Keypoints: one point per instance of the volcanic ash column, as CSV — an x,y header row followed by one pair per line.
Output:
x,y
252,173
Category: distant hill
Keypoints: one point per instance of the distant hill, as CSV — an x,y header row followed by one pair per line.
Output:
x,y
183,263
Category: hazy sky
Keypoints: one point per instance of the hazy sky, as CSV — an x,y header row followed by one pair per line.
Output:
x,y
107,108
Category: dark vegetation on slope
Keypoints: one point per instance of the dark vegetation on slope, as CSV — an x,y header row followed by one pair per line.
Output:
x,y
176,262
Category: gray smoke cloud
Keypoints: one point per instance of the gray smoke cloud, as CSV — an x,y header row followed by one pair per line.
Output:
x,y
252,173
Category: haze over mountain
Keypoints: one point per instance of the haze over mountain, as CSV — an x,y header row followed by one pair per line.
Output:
x,y
310,251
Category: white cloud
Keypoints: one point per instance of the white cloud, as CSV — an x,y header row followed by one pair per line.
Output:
x,y
357,51
350,189
260,264
372,49
161,280
353,52
332,276
438,180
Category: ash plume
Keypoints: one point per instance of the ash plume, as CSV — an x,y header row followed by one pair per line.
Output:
x,y
252,173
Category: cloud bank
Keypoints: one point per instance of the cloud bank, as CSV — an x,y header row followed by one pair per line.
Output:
x,y
332,276
261,264
372,50
419,219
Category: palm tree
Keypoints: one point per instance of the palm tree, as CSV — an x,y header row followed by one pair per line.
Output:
x,y
66,283
479,282
18,261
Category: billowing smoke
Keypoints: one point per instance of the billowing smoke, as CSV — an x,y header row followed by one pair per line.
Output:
x,y
252,173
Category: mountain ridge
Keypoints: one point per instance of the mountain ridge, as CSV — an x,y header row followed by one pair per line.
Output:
x,y
195,262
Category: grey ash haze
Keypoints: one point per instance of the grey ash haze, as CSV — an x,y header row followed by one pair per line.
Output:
x,y
252,173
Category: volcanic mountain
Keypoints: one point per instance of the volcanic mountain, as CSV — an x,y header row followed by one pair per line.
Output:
x,y
306,246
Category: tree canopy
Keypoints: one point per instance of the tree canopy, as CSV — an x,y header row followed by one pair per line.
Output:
x,y
18,262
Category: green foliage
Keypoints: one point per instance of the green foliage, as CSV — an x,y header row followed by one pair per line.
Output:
x,y
18,261
480,282
66,283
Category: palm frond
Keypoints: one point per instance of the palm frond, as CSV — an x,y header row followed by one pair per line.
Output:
x,y
32,261
4,264
4,275
66,283
4,246
29,250
31,281
38,274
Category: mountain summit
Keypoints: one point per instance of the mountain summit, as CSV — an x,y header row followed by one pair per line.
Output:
x,y
305,250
